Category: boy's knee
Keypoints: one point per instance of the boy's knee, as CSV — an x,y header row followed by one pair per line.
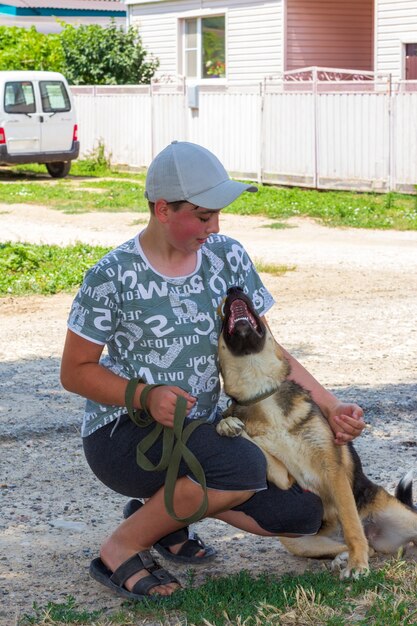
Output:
x,y
311,520
293,511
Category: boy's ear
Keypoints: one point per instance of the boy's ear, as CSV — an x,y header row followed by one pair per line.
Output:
x,y
161,210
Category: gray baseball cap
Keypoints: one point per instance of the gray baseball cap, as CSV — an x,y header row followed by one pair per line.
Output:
x,y
187,171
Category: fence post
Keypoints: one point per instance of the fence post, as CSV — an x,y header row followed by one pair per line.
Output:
x,y
391,135
262,86
152,121
316,128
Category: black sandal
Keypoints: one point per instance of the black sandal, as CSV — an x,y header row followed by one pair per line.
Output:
x,y
193,544
116,580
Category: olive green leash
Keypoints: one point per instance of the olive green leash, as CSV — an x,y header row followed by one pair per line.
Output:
x,y
174,447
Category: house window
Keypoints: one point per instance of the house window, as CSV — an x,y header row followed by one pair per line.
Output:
x,y
204,47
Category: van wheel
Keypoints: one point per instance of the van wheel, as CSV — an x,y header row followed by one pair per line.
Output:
x,y
59,169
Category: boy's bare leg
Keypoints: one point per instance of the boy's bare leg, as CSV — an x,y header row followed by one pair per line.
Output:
x,y
151,522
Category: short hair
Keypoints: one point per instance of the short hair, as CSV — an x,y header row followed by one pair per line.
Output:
x,y
175,205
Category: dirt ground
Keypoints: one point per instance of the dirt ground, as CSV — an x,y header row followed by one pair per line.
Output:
x,y
347,312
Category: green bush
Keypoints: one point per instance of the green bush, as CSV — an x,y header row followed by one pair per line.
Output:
x,y
26,49
42,269
86,55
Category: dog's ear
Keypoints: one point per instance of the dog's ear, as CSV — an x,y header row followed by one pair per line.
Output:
x,y
220,309
223,352
279,353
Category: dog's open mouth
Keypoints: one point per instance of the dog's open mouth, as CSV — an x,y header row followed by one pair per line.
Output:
x,y
240,314
243,330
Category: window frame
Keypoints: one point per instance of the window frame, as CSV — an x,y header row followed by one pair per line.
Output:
x,y
199,47
27,111
44,94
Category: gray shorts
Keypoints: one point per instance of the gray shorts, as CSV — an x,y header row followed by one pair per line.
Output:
x,y
230,464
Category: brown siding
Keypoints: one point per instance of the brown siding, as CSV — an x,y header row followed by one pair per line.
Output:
x,y
329,33
411,68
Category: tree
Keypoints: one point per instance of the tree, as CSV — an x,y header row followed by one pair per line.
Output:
x,y
105,56
86,55
26,49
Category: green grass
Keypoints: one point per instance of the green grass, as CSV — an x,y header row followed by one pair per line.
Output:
x,y
386,597
272,268
44,269
123,191
47,269
79,168
63,195
333,208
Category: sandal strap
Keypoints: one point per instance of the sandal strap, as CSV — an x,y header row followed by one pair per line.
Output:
x,y
144,585
192,546
136,563
177,537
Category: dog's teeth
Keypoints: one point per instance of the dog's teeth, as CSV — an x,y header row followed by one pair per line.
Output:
x,y
239,312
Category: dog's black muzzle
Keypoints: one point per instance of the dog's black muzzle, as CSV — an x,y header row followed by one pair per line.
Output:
x,y
243,330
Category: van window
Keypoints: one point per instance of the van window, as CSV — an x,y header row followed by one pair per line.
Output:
x,y
19,97
54,96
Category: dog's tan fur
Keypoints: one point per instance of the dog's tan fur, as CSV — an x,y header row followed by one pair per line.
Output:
x,y
299,444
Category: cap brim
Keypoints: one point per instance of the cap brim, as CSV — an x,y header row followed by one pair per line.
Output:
x,y
222,195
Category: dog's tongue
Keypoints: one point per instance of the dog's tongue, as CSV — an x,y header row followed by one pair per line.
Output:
x,y
239,312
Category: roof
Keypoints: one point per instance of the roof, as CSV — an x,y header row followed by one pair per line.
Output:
x,y
23,7
17,75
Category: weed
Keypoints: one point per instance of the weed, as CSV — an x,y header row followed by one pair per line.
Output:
x,y
278,225
389,201
97,161
66,613
272,268
43,269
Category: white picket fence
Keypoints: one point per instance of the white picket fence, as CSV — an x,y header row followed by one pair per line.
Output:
x,y
315,133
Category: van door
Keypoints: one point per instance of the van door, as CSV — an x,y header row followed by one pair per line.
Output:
x,y
22,123
57,129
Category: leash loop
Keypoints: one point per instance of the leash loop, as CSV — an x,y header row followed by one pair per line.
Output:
x,y
174,447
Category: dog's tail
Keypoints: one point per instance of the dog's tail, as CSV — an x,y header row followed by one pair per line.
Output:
x,y
404,490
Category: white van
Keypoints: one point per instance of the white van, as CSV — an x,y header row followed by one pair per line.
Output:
x,y
37,121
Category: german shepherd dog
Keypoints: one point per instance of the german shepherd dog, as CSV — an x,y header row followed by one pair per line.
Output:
x,y
280,417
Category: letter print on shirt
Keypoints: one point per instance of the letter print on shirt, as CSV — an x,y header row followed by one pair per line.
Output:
x,y
163,329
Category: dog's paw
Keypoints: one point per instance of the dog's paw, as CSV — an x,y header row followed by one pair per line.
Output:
x,y
348,569
340,562
355,572
230,427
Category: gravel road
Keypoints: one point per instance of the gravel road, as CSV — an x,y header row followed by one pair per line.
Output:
x,y
347,311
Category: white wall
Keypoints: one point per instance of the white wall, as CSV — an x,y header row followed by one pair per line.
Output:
x,y
254,34
396,24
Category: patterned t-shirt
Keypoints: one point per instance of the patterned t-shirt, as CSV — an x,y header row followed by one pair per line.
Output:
x,y
159,328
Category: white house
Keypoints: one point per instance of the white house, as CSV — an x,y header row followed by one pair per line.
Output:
x,y
396,38
45,14
247,40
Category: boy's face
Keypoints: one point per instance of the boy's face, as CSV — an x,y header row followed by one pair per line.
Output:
x,y
190,226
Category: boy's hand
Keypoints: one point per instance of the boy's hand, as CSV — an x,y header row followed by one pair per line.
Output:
x,y
162,400
346,421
